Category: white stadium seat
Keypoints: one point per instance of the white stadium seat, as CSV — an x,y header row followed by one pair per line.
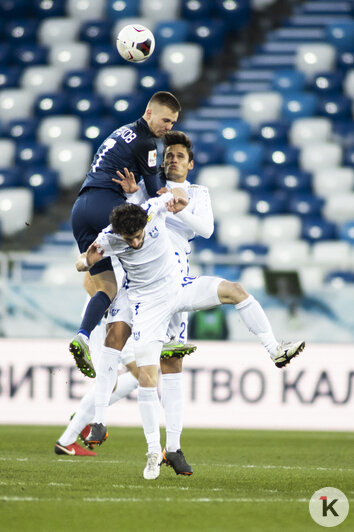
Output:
x,y
111,81
16,209
331,254
320,155
58,30
86,9
227,203
348,84
70,55
339,207
258,107
216,177
160,10
306,130
315,57
72,160
183,62
252,278
16,103
7,152
288,255
329,181
42,78
278,228
236,230
311,277
57,128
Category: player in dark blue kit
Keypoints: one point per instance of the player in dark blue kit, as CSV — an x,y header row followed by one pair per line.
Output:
x,y
133,147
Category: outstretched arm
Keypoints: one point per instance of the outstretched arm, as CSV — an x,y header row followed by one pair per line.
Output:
x,y
93,254
126,181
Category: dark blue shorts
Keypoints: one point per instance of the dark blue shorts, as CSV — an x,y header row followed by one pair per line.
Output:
x,y
90,214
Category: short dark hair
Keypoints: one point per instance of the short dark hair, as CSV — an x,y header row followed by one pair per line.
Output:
x,y
167,99
128,219
178,137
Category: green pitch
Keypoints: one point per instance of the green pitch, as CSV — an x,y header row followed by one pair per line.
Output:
x,y
243,481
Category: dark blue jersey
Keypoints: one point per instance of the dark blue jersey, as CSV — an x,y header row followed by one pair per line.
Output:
x,y
131,146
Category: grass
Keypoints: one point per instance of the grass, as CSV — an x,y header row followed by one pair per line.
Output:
x,y
243,481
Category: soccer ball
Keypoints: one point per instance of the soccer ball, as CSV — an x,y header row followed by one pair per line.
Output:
x,y
135,43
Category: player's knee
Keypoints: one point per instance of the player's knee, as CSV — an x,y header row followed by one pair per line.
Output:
x,y
231,292
117,334
239,293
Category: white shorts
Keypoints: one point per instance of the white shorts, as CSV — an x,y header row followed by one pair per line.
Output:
x,y
120,308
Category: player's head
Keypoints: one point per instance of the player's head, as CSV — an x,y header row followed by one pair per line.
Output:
x,y
177,156
161,113
129,221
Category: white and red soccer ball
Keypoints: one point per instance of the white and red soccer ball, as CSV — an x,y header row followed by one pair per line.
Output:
x,y
135,43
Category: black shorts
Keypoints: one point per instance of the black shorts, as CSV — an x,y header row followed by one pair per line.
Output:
x,y
90,214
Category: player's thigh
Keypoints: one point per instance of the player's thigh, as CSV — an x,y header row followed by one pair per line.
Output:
x,y
198,293
105,282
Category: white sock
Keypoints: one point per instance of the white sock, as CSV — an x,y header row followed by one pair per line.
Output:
x,y
255,319
126,384
149,406
106,376
82,417
172,402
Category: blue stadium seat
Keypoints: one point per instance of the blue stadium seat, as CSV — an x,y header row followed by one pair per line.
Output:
x,y
10,177
79,80
152,79
316,228
346,231
124,8
339,277
201,244
281,154
247,157
298,105
19,31
305,204
209,33
345,61
51,104
9,76
292,179
96,129
22,129
86,104
230,130
29,153
252,254
44,183
103,54
126,108
236,15
31,54
96,31
15,8
288,80
170,32
335,106
257,181
225,271
342,132
207,153
327,82
192,10
5,54
266,203
270,132
341,35
54,8
349,157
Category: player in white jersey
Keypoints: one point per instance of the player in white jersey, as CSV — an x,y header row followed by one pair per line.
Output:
x,y
142,228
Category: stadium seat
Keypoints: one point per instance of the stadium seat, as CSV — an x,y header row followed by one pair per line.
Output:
x,y
207,153
311,278
87,10
339,207
339,278
228,203
96,129
18,31
252,254
290,255
305,204
346,231
96,31
104,55
53,129
87,104
54,8
9,77
291,179
30,153
304,131
327,82
236,230
22,129
280,228
151,80
269,132
331,254
320,155
345,61
44,184
330,181
257,181
265,203
42,79
192,10
235,15
111,81
26,55
7,152
252,278
122,9
183,62
341,35
348,158
335,106
247,157
16,210
14,8
51,104
259,107
126,108
78,80
71,159
298,104
315,57
288,80
15,104
218,177
315,229
69,55
58,30
230,130
348,84
9,177
158,10
281,154
209,34
343,132
170,32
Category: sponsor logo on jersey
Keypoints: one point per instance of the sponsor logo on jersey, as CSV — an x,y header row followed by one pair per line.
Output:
x,y
152,157
154,233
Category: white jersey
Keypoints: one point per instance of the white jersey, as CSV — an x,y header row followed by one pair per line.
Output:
x,y
154,265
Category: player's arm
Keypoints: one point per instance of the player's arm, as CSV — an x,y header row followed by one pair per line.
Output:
x,y
178,202
201,220
86,260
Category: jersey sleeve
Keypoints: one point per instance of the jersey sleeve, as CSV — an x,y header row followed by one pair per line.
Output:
x,y
201,219
146,156
103,242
